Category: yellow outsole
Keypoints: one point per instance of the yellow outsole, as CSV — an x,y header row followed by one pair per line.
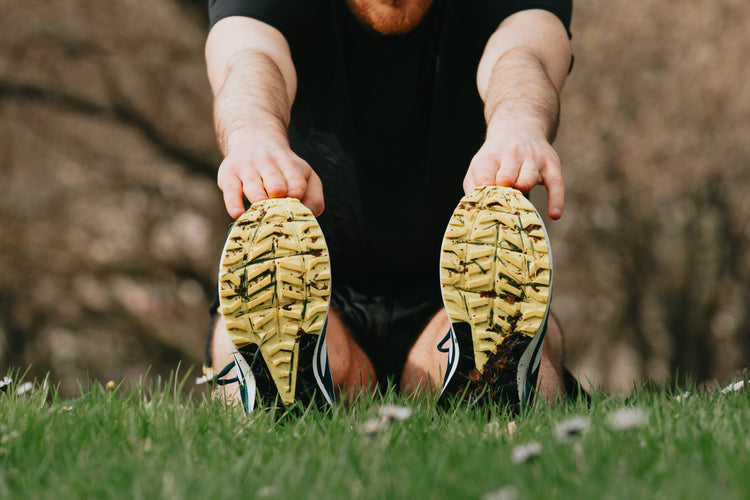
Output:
x,y
275,284
495,268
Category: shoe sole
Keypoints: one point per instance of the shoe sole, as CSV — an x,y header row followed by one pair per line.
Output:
x,y
496,274
274,289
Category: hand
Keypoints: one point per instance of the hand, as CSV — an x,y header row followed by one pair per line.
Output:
x,y
268,172
521,160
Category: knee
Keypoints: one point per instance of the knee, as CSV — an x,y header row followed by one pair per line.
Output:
x,y
554,346
339,360
219,345
350,366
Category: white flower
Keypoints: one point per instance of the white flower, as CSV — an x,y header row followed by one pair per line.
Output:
x,y
574,426
8,436
525,452
393,412
682,397
628,418
388,414
733,387
374,426
24,388
492,428
511,428
5,382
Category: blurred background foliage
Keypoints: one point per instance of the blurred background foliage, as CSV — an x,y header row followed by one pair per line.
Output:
x,y
111,223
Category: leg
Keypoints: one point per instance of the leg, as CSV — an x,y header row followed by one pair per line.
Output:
x,y
425,365
550,385
221,356
351,370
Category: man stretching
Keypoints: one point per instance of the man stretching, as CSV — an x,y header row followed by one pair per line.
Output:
x,y
378,115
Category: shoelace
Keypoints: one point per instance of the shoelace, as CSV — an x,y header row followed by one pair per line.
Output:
x,y
223,373
441,345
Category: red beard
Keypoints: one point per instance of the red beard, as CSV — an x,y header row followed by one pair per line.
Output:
x,y
390,17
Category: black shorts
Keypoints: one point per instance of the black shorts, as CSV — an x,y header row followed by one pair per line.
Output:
x,y
386,328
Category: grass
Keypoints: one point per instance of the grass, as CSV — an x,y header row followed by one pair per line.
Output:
x,y
155,442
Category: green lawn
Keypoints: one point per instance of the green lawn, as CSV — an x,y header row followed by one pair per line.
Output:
x,y
155,442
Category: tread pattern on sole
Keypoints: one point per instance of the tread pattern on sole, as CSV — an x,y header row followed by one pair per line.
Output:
x,y
495,268
274,285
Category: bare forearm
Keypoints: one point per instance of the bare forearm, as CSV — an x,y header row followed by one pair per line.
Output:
x,y
519,78
520,93
253,104
252,75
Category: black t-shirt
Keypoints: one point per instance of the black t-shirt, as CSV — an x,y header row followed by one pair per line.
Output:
x,y
389,123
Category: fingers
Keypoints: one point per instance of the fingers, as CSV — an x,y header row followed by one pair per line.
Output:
x,y
235,183
488,169
297,179
508,172
232,192
469,182
529,174
313,198
252,186
553,181
483,171
273,180
262,177
521,169
545,170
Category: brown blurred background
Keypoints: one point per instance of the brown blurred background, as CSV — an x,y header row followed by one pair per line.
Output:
x,y
111,223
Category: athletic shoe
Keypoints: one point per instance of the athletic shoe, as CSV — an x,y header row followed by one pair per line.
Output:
x,y
496,279
274,289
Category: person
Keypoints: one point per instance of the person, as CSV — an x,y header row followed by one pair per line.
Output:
x,y
378,115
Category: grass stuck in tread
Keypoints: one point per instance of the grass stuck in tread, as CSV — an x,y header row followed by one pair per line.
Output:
x,y
155,442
